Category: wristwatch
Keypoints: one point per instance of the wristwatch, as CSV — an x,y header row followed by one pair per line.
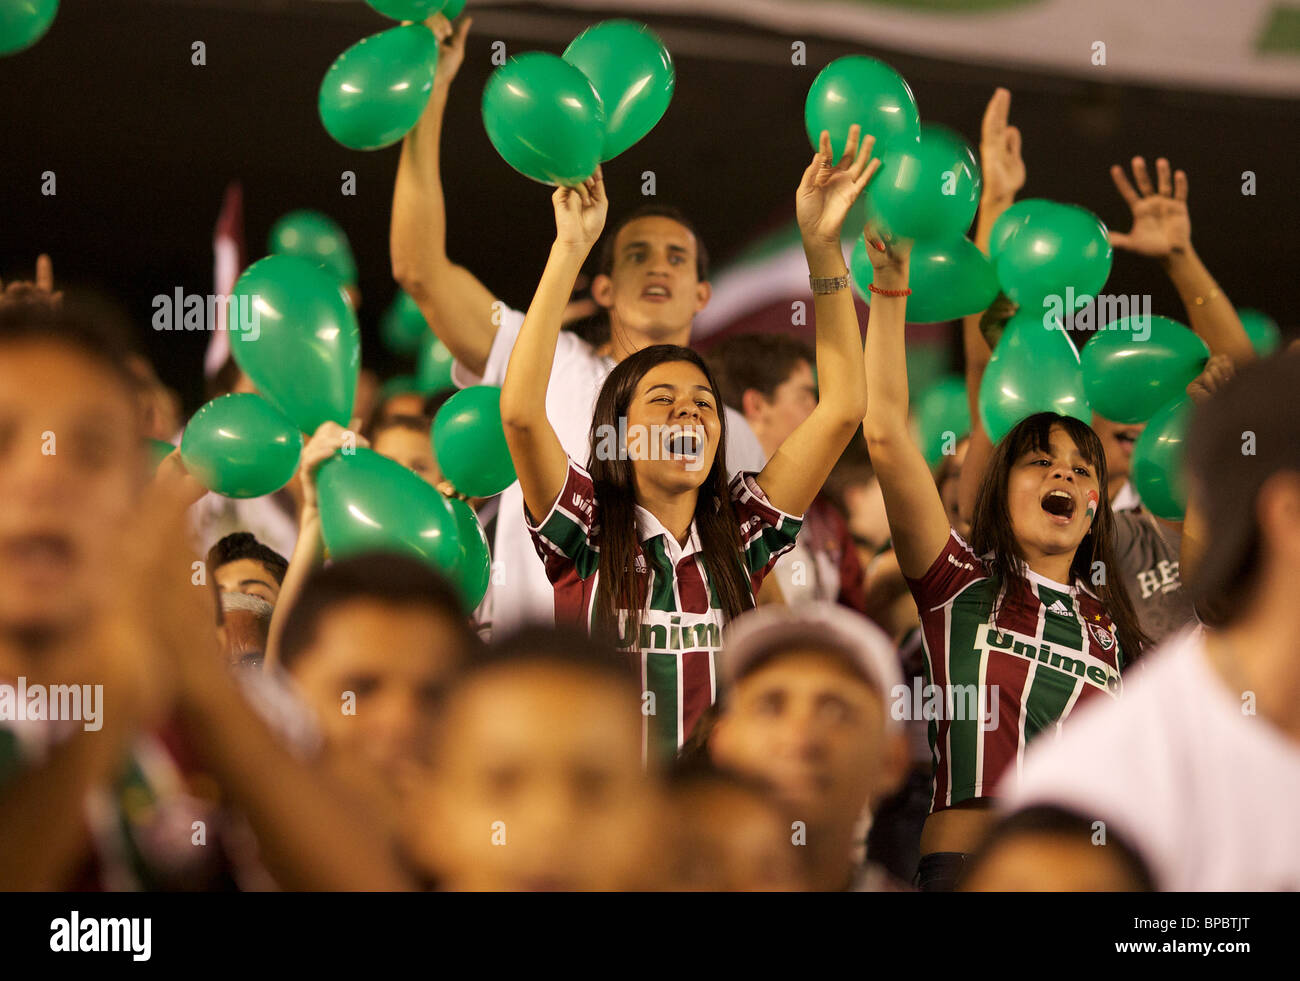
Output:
x,y
821,285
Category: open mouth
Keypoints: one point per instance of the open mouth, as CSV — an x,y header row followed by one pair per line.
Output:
x,y
38,553
1060,505
683,444
657,293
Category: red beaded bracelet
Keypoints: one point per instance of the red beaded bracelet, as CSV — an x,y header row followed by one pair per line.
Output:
x,y
874,289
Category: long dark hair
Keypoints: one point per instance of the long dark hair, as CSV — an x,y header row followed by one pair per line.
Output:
x,y
991,528
621,586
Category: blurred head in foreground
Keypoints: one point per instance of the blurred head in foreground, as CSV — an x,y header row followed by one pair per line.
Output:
x,y
72,464
370,645
537,780
807,709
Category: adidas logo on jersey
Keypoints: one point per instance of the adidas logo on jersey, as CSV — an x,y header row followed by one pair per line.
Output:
x,y
1059,608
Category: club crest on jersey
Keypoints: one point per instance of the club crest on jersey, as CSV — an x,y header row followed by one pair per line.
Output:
x,y
1092,670
1104,638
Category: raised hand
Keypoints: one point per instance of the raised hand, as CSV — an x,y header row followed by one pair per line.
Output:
x,y
1000,160
889,259
40,289
827,191
1161,224
451,47
328,439
580,213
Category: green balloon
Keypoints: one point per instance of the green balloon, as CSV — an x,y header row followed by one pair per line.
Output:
x,y
940,410
240,446
1262,331
376,90
633,75
1135,365
1042,248
862,90
1033,369
24,22
407,9
474,564
317,238
948,279
927,191
369,503
158,451
1157,467
470,444
433,366
453,9
403,327
545,119
299,341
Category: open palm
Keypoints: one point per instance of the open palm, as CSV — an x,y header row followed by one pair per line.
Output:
x,y
827,191
1161,223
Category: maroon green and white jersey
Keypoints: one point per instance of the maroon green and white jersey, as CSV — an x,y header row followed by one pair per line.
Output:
x,y
1050,647
681,629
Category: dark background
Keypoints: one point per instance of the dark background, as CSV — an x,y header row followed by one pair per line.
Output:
x,y
143,144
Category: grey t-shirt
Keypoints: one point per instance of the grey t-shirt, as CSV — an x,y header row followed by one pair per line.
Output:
x,y
1148,560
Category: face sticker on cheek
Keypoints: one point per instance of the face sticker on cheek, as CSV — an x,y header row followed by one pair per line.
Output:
x,y
1093,500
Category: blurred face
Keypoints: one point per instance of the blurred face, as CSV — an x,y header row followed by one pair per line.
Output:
x,y
951,486
792,402
1048,495
538,784
71,470
673,428
868,522
730,840
248,576
653,292
1045,862
1117,439
809,726
395,659
411,449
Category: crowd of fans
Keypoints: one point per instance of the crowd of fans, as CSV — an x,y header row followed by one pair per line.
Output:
x,y
708,669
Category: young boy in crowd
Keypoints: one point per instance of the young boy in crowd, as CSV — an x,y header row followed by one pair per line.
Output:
x,y
239,563
807,708
537,781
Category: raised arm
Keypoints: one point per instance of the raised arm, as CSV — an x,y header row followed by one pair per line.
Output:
x,y
1162,229
540,460
1004,174
801,464
457,306
309,550
918,522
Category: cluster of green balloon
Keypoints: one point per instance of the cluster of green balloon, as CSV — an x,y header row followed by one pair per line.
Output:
x,y
861,90
1042,248
376,90
470,443
928,191
1034,368
433,366
317,238
1157,468
369,503
24,22
544,118
633,76
240,446
942,417
948,279
299,341
403,327
1262,330
1135,365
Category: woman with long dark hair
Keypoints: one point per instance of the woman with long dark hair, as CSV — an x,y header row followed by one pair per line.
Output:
x,y
1021,624
649,543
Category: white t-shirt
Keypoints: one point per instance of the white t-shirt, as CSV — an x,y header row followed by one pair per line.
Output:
x,y
1208,795
520,592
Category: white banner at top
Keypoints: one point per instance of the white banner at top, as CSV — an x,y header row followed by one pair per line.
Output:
x,y
1244,46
